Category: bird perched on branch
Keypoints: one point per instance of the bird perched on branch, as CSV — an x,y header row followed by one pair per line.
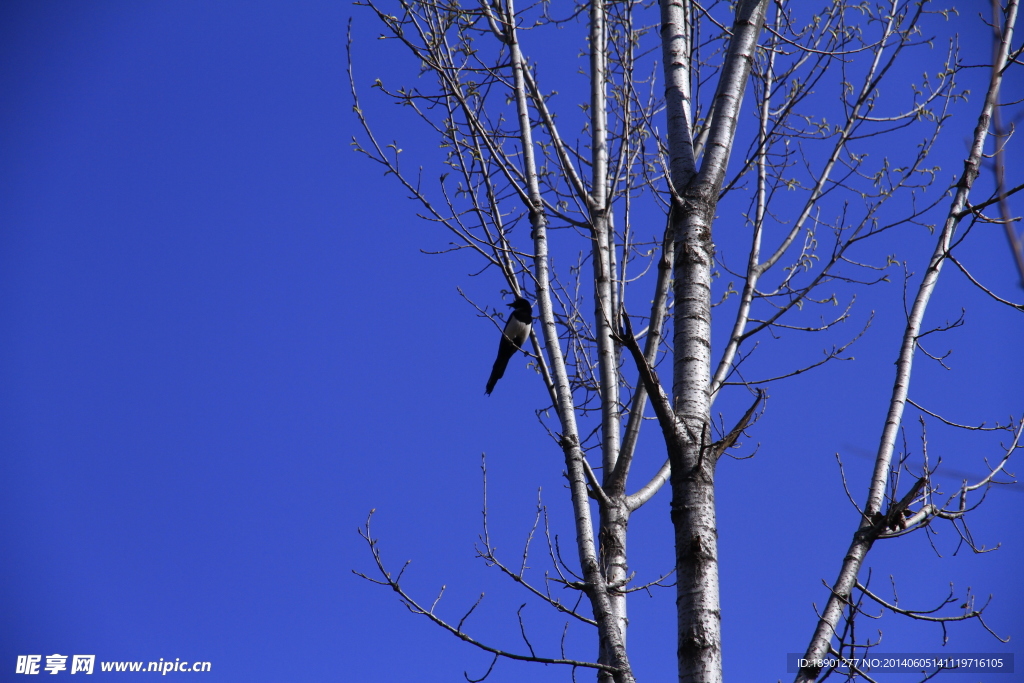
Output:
x,y
513,337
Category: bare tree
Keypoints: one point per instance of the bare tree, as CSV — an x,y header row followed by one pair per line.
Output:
x,y
897,518
635,173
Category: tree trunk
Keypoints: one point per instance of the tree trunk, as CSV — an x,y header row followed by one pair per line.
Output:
x,y
699,646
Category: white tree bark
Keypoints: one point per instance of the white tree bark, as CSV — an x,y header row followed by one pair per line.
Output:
x,y
614,516
693,469
607,615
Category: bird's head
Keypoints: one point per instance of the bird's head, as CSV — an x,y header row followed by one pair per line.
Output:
x,y
521,304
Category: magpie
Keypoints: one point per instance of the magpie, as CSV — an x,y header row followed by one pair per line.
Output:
x,y
513,337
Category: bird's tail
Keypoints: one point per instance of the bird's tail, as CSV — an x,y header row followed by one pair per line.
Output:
x,y
498,371
496,374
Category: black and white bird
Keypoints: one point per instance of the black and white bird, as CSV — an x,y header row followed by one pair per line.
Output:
x,y
513,338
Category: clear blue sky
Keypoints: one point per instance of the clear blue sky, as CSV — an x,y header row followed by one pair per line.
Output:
x,y
221,346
